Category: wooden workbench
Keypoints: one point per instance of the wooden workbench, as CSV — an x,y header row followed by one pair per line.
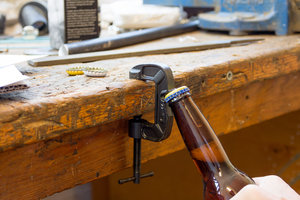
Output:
x,y
65,131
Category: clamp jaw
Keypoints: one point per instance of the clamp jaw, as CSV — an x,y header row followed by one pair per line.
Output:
x,y
162,126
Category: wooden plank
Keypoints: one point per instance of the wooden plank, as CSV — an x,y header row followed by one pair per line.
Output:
x,y
37,170
58,104
104,55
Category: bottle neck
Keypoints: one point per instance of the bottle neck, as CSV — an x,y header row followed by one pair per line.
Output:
x,y
200,139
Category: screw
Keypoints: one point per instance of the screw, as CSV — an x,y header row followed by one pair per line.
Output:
x,y
229,75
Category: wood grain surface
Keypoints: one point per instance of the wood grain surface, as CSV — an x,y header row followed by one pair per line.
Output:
x,y
43,168
57,104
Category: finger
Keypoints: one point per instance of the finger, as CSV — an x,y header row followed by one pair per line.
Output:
x,y
275,185
253,192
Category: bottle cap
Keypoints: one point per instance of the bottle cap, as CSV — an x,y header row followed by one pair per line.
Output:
x,y
176,92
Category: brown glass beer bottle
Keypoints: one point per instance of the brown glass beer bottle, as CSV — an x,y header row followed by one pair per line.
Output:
x,y
221,179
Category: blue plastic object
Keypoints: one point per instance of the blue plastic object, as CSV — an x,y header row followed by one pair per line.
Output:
x,y
243,16
240,16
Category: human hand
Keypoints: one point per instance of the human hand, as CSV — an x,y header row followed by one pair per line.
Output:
x,y
267,188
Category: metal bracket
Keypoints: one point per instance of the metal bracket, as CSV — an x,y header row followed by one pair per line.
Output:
x,y
164,81
162,126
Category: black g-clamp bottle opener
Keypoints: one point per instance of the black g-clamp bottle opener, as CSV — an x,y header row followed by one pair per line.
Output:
x,y
140,128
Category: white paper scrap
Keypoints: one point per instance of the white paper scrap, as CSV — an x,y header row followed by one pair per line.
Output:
x,y
10,74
